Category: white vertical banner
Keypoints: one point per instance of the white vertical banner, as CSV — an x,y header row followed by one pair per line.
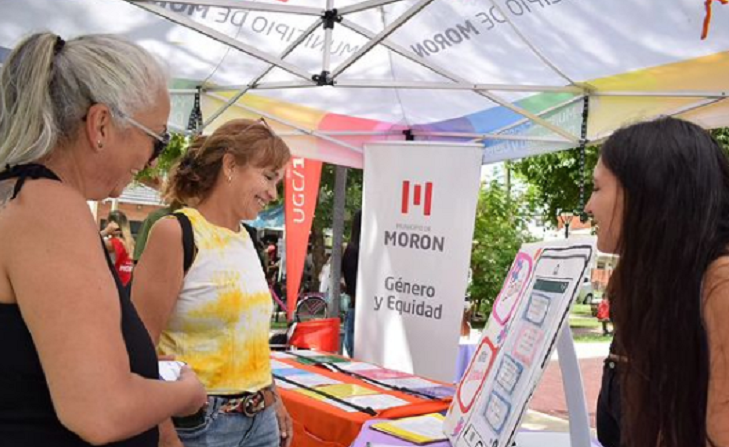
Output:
x,y
417,228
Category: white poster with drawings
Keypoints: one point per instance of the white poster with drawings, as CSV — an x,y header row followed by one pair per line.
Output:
x,y
517,342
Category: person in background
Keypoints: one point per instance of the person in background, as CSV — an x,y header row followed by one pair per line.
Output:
x,y
78,120
603,315
661,202
216,316
147,225
325,278
119,241
350,264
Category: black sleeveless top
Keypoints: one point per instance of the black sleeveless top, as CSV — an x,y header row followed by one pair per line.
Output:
x,y
27,417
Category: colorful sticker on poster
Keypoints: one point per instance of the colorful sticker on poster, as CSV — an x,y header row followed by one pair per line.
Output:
x,y
497,411
527,343
514,286
509,374
476,374
537,309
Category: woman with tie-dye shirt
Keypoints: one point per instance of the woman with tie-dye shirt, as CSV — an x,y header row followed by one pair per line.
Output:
x,y
215,317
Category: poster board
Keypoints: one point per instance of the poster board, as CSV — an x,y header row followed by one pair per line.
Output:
x,y
518,341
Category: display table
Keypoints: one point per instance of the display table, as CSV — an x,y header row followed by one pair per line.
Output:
x,y
368,435
319,421
466,349
523,439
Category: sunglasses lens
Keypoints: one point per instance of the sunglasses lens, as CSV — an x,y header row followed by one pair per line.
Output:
x,y
159,147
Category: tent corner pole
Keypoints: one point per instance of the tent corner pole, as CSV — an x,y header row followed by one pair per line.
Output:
x,y
340,185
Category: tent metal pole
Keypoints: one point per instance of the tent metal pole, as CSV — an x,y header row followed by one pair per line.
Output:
x,y
692,107
222,38
531,46
362,6
678,111
452,76
346,133
404,85
262,85
542,113
312,133
382,35
489,136
249,6
328,20
340,186
292,46
660,94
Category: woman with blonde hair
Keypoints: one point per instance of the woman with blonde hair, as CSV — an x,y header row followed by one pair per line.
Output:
x,y
77,120
216,315
119,241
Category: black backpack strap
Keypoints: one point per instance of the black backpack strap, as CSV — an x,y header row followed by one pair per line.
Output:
x,y
189,250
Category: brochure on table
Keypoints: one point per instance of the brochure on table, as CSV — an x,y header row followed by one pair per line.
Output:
x,y
351,397
517,342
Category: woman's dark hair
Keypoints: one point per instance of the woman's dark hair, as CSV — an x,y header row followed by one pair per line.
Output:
x,y
354,235
675,186
250,142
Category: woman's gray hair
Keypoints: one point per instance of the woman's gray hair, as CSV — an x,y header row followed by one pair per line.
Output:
x,y
47,87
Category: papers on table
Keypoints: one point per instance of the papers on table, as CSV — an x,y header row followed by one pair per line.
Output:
x,y
346,390
382,374
377,401
419,429
311,380
275,364
285,385
357,366
288,376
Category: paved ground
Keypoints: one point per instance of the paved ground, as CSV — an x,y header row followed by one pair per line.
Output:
x,y
549,397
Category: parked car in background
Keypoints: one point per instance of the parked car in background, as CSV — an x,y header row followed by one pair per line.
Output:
x,y
586,292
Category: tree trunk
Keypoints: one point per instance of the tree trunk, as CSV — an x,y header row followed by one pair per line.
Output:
x,y
318,255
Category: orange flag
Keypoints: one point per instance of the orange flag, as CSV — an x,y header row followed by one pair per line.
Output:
x,y
302,188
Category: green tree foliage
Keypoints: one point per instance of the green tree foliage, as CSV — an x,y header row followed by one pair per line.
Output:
x,y
555,180
175,150
324,213
500,230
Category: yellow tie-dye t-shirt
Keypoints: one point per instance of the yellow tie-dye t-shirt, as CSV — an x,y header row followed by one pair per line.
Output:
x,y
220,323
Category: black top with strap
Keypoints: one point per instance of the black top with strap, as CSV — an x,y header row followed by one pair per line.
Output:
x,y
27,416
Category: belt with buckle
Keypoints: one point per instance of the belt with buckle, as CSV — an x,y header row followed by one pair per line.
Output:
x,y
249,404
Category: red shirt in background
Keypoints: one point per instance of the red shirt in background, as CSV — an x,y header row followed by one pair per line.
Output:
x,y
123,263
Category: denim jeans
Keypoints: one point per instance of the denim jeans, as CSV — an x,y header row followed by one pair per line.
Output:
x,y
349,332
232,429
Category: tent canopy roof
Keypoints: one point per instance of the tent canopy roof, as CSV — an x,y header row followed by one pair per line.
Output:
x,y
510,73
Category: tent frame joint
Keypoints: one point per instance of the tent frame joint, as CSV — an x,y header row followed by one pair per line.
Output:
x,y
329,17
323,78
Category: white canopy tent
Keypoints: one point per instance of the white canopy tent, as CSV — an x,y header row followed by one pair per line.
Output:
x,y
331,75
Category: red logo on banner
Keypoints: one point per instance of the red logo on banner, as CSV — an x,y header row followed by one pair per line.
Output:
x,y
302,188
417,197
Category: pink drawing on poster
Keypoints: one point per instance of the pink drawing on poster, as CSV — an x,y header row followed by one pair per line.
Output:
x,y
514,286
476,374
526,344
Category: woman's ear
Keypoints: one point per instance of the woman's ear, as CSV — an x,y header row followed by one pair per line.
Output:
x,y
228,164
97,120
